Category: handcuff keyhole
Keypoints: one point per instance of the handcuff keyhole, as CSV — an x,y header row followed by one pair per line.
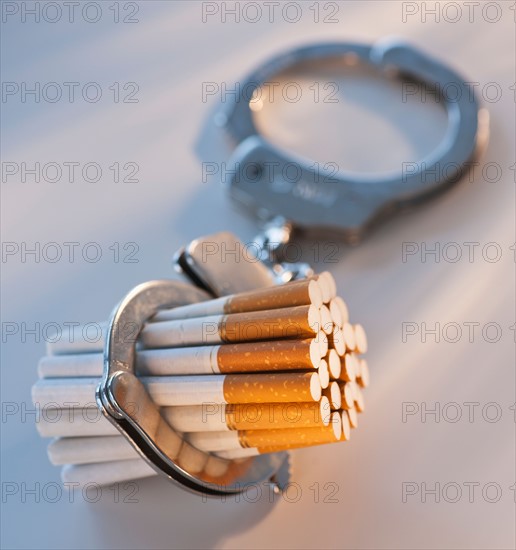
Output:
x,y
254,172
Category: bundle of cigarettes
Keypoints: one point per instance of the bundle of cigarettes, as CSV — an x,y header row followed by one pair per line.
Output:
x,y
258,372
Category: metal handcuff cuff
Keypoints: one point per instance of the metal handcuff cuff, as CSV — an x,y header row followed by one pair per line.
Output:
x,y
347,206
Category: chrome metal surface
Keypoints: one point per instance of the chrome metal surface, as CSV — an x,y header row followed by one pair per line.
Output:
x,y
346,204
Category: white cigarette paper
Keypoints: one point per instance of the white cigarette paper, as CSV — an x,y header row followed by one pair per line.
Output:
x,y
65,393
89,450
79,422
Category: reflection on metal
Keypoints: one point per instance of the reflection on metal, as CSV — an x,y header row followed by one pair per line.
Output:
x,y
335,202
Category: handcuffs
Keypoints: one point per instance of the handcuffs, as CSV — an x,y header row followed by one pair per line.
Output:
x,y
351,205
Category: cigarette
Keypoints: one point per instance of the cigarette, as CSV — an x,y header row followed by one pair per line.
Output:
x,y
328,286
74,422
349,337
346,426
293,294
94,450
324,374
165,391
353,417
295,322
360,339
106,473
255,416
334,365
277,415
323,343
271,388
332,433
336,341
363,373
339,311
347,395
265,440
358,398
116,471
210,417
333,394
349,366
229,358
326,320
88,338
87,450
338,428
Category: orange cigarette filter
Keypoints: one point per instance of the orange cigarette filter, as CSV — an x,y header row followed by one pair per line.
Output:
x,y
293,437
272,388
293,294
259,416
275,355
293,322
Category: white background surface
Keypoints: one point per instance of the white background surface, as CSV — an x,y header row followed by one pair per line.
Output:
x,y
170,52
